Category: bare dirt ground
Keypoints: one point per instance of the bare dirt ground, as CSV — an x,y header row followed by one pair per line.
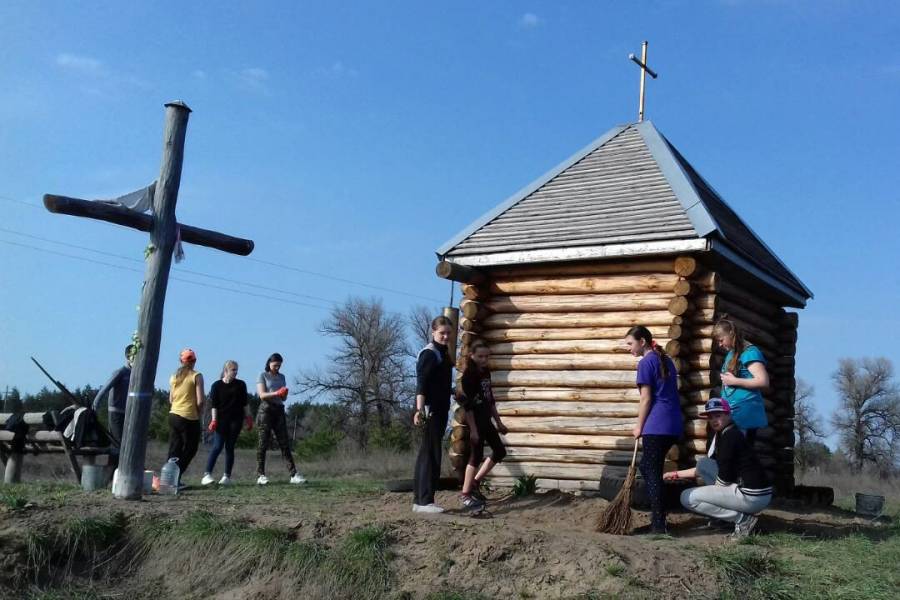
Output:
x,y
539,546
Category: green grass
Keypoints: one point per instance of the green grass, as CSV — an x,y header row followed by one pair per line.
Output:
x,y
614,569
860,565
13,498
526,485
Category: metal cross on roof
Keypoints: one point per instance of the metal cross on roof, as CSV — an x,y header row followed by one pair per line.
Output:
x,y
642,63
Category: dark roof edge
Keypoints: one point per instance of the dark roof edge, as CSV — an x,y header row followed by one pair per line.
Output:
x,y
527,190
678,180
724,249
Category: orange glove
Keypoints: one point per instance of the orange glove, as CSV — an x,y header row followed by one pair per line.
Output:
x,y
283,392
212,425
249,421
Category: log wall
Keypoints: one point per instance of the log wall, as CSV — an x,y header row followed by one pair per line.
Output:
x,y
564,380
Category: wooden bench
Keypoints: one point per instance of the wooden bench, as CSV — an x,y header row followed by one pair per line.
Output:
x,y
43,440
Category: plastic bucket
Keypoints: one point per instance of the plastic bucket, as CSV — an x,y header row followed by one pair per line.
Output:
x,y
869,505
93,477
148,482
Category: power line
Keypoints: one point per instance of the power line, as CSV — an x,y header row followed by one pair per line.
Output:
x,y
342,280
188,281
282,266
177,269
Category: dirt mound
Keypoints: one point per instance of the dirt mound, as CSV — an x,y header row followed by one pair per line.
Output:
x,y
350,539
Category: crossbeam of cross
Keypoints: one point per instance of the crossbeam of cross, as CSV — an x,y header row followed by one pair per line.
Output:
x,y
645,70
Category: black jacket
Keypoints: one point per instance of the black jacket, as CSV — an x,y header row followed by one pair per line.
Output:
x,y
434,377
738,463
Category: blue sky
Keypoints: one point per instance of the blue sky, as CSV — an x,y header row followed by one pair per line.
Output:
x,y
352,139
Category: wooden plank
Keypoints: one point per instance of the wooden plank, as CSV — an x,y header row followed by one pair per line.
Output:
x,y
558,470
566,394
582,285
457,272
568,408
652,265
570,425
563,362
579,302
578,379
623,320
568,455
567,440
614,346
568,333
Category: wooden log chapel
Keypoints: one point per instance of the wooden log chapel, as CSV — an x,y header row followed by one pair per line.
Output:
x,y
625,232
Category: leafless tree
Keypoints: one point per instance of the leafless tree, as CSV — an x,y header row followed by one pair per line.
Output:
x,y
370,375
868,416
808,425
419,320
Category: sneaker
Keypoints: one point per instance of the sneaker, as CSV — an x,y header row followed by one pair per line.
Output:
x,y
226,480
207,479
744,526
427,508
470,502
262,480
477,494
297,478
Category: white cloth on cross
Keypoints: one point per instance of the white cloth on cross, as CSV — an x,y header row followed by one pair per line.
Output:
x,y
140,201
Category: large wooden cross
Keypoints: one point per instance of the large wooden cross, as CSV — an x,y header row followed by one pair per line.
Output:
x,y
164,231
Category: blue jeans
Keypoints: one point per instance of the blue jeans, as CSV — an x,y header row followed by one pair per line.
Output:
x,y
226,435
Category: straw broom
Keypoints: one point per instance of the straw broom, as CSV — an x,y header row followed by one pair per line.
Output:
x,y
616,516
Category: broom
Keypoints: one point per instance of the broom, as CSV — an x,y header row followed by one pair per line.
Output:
x,y
616,516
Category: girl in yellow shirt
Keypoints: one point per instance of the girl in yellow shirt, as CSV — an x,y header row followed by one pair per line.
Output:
x,y
186,397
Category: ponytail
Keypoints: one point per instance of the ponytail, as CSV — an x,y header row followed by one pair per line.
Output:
x,y
726,327
470,369
639,332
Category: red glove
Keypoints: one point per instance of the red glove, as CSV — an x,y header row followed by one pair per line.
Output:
x,y
249,421
212,425
283,392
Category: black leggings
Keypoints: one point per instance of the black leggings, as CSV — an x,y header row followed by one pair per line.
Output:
x,y
653,458
184,438
487,434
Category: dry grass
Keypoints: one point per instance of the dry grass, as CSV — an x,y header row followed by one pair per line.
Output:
x,y
346,462
846,484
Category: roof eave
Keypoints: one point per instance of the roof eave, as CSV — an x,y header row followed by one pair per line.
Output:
x,y
573,253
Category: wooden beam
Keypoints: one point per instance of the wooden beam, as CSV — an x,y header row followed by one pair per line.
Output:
x,y
456,272
144,222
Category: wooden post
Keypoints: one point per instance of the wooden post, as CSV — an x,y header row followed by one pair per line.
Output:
x,y
129,484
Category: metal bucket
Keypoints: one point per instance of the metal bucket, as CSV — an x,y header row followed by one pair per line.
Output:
x,y
93,477
869,505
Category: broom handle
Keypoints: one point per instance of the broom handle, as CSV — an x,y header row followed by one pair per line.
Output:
x,y
634,454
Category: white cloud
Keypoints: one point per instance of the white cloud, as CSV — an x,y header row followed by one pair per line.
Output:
x,y
338,69
529,21
253,79
81,64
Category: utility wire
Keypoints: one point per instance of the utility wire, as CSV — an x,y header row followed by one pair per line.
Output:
x,y
177,269
188,281
287,267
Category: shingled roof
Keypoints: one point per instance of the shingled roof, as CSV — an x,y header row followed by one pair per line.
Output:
x,y
628,193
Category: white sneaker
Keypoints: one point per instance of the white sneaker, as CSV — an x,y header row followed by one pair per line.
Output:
x,y
207,479
298,478
262,480
226,480
427,508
